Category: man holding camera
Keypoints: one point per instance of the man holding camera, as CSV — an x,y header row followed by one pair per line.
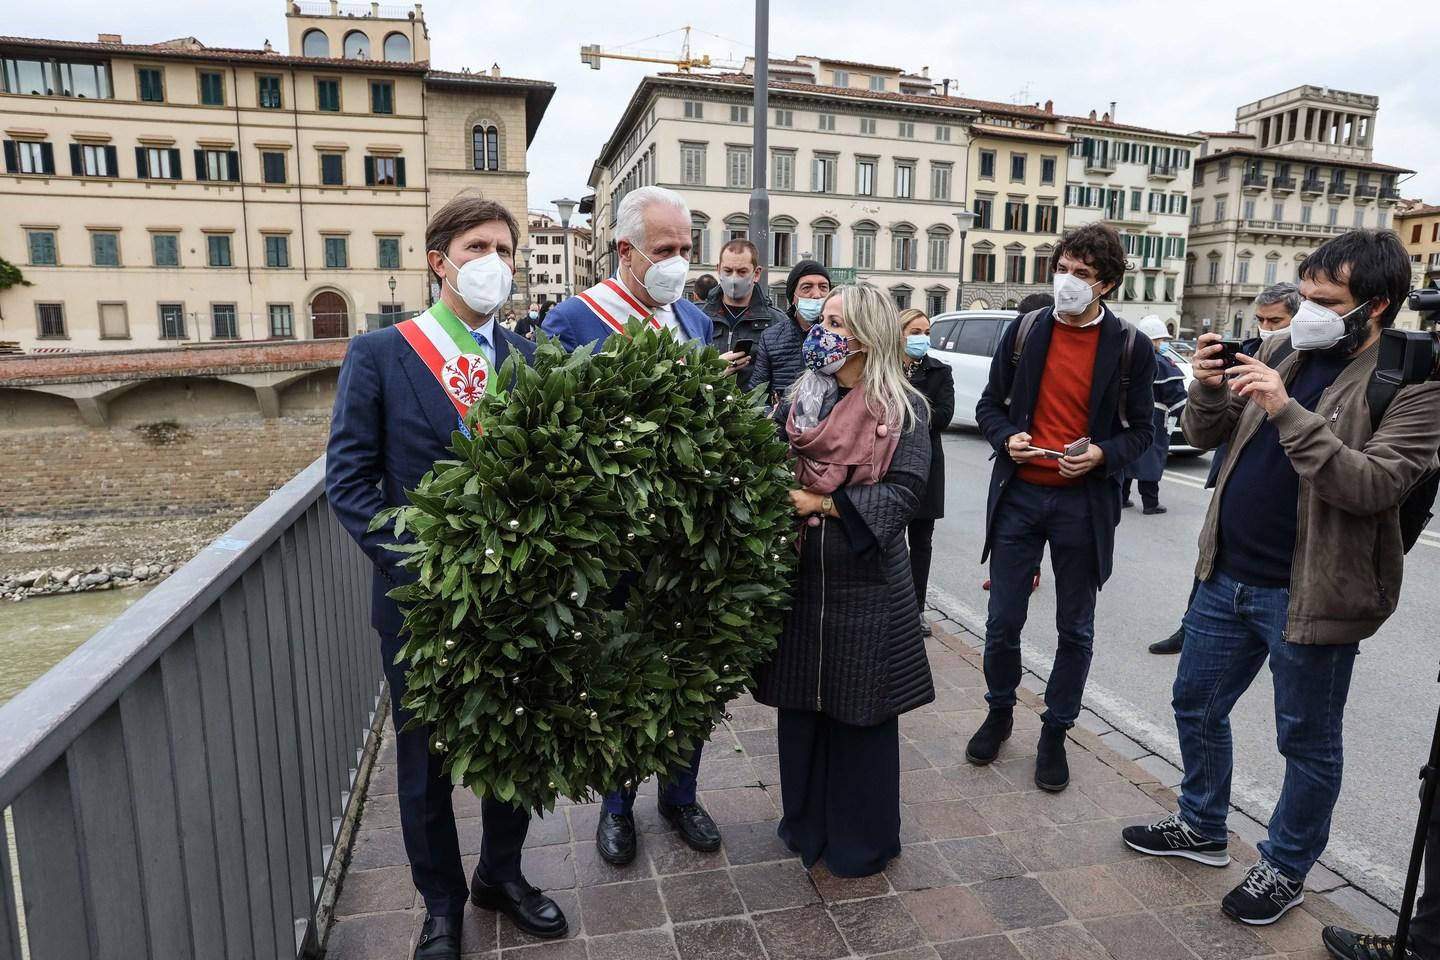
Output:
x,y
1301,575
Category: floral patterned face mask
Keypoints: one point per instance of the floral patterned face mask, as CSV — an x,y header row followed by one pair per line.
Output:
x,y
825,351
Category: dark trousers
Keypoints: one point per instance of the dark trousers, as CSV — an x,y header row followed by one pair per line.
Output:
x,y
427,819
1425,925
677,789
1028,517
921,534
1149,492
840,787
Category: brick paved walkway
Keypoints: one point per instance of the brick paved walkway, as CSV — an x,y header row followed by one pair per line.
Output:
x,y
992,868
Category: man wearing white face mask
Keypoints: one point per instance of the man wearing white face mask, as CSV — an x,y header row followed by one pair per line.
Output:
x,y
402,394
1068,406
652,247
652,234
1300,556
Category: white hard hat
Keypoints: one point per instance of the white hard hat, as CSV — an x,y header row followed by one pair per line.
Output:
x,y
1154,328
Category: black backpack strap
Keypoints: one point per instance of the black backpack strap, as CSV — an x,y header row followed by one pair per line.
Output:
x,y
1378,394
1026,324
1132,332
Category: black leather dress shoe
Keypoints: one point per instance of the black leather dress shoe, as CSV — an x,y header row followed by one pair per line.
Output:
x,y
696,828
615,838
439,938
528,908
1171,644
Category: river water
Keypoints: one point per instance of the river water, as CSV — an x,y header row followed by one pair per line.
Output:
x,y
37,633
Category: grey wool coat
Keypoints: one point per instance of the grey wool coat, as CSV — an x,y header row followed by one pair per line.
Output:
x,y
851,647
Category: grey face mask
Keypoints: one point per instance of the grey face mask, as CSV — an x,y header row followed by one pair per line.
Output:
x,y
737,288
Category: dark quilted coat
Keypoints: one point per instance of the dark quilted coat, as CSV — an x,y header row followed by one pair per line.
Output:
x,y
778,362
852,647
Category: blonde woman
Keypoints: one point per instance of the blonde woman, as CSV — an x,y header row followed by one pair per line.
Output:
x,y
851,658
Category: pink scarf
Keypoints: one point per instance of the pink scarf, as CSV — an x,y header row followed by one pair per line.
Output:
x,y
850,447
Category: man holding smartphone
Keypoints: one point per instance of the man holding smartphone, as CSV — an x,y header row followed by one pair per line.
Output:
x,y
1067,408
738,307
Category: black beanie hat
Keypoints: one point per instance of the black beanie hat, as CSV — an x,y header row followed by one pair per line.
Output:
x,y
801,270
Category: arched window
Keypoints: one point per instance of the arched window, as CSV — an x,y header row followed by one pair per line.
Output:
x,y
357,46
902,256
315,44
901,295
737,227
485,142
937,256
397,48
823,232
865,232
782,242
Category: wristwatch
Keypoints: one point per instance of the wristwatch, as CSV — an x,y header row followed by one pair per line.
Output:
x,y
827,504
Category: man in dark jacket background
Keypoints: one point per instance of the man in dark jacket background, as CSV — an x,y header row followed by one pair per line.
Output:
x,y
777,362
738,307
1081,372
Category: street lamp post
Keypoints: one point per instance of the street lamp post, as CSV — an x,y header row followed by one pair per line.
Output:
x,y
391,284
964,219
759,229
525,266
566,208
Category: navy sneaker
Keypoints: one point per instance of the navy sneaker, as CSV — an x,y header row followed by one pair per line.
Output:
x,y
1348,945
1173,837
1263,896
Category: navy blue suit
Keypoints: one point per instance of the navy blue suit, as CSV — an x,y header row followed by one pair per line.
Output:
x,y
1078,522
392,421
575,324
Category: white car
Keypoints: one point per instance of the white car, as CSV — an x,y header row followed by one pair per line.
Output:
x,y
1180,353
965,340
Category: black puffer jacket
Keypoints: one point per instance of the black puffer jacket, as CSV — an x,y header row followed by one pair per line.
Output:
x,y
778,361
851,647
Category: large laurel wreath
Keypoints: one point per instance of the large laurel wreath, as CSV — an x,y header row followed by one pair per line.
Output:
x,y
641,465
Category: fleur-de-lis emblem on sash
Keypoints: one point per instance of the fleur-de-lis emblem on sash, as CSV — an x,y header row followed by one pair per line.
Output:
x,y
465,378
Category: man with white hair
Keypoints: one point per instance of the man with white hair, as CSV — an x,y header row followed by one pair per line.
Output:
x,y
652,248
652,244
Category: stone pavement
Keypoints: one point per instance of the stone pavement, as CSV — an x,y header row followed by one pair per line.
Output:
x,y
992,868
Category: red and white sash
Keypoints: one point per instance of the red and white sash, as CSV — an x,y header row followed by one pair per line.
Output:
x,y
616,306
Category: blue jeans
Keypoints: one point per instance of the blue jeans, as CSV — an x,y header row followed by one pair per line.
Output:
x,y
1230,629
676,790
1029,516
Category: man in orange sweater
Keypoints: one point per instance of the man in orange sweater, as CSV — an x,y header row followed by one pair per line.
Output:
x,y
1069,373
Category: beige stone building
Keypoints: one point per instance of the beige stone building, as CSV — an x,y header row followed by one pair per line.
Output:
x,y
1136,180
1418,224
1016,188
547,255
173,193
867,166
1298,170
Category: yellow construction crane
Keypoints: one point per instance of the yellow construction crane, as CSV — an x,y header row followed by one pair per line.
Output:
x,y
592,54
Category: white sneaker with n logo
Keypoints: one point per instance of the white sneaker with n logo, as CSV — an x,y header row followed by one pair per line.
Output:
x,y
1173,837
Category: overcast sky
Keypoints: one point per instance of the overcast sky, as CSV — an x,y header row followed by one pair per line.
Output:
x,y
1177,67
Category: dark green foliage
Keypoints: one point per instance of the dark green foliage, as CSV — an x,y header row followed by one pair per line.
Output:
x,y
643,457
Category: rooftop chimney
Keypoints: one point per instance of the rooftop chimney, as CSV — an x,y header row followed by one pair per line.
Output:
x,y
1105,119
1092,114
925,72
268,48
494,69
1049,106
1111,114
110,38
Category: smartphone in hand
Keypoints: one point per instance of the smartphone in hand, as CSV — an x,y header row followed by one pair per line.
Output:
x,y
746,346
1229,352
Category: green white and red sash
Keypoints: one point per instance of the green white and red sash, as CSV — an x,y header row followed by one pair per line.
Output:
x,y
616,306
444,344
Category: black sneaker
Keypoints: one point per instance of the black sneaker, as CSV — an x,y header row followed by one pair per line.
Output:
x,y
1348,945
1171,644
1263,896
1173,837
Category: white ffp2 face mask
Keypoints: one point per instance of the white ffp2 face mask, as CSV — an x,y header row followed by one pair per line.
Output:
x,y
483,283
1318,328
1267,334
1072,295
664,281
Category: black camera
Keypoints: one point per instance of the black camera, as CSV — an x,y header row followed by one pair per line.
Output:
x,y
1412,356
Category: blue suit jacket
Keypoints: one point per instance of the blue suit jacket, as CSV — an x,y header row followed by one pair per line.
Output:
x,y
1122,446
576,324
392,421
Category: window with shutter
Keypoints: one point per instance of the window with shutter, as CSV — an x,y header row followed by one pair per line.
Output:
x,y
332,169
